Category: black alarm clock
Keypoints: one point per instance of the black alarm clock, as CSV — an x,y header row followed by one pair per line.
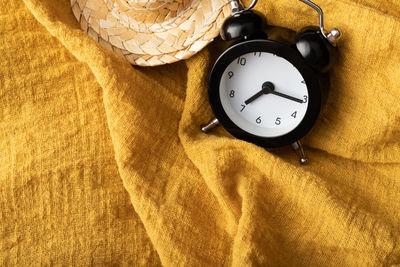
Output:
x,y
267,87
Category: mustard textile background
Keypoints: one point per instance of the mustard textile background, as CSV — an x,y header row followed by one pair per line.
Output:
x,y
104,163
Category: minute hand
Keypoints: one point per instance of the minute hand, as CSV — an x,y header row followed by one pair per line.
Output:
x,y
287,96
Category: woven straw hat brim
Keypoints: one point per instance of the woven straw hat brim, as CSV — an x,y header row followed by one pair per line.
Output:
x,y
152,33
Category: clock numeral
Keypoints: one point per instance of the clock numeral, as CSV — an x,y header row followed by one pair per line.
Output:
x,y
232,93
230,74
278,121
259,54
303,82
294,115
243,107
305,99
258,120
241,61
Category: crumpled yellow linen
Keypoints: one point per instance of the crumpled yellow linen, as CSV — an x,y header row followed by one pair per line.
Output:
x,y
103,163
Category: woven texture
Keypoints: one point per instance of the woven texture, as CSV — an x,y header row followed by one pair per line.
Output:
x,y
103,164
150,33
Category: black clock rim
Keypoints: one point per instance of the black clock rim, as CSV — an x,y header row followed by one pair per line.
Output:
x,y
293,56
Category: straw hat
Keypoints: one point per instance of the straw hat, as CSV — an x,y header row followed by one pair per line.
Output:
x,y
152,32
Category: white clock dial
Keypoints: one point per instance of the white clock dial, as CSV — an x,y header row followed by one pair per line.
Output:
x,y
274,112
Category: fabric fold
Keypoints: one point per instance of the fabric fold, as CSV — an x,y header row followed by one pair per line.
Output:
x,y
208,200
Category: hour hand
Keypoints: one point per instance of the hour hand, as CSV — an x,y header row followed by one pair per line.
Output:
x,y
254,97
267,88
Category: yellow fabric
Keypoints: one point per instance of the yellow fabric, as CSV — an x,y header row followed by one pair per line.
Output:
x,y
104,164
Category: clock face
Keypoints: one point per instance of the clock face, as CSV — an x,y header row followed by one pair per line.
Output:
x,y
263,94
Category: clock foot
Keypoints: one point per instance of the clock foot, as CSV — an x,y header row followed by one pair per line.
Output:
x,y
206,128
298,148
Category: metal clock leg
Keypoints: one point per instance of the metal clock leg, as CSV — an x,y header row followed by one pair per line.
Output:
x,y
298,148
206,128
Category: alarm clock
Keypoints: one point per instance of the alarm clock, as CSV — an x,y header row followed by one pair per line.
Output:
x,y
267,87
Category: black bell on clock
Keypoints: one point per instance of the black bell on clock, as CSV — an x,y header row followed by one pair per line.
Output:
x,y
316,49
266,87
244,25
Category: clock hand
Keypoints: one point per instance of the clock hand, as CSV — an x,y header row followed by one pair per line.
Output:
x,y
254,97
267,88
287,97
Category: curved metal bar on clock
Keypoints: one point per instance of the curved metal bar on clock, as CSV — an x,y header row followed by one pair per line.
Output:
x,y
253,3
237,7
320,13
